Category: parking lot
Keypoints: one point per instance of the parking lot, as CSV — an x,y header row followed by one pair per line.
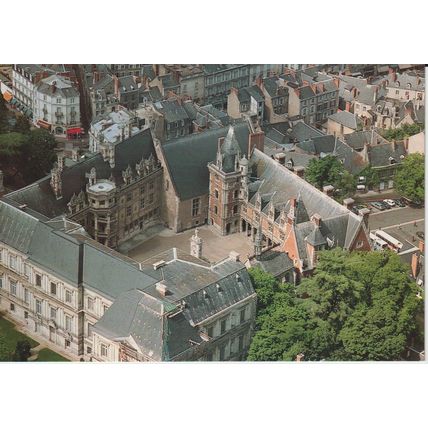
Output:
x,y
395,216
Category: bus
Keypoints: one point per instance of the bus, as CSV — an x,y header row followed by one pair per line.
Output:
x,y
380,238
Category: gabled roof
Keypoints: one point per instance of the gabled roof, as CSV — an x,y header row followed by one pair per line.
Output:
x,y
40,197
276,178
346,118
274,262
192,154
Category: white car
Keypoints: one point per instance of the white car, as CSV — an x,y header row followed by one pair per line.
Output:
x,y
389,202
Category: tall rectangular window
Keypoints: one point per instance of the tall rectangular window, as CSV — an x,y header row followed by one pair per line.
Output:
x,y
38,280
12,262
196,207
90,304
53,313
103,350
38,307
13,288
242,315
26,296
1,280
53,288
223,326
68,296
68,323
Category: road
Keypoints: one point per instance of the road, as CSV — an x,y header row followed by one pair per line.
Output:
x,y
395,216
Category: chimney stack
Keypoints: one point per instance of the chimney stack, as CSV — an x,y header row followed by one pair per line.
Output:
x,y
161,288
348,203
256,140
299,171
364,213
328,190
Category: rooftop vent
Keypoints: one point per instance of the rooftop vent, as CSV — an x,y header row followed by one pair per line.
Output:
x,y
234,256
218,286
22,207
161,288
159,264
205,294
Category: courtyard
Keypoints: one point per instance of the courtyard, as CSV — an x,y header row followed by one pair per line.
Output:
x,y
214,246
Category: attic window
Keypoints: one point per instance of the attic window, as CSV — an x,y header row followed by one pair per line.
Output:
x,y
205,294
409,85
218,286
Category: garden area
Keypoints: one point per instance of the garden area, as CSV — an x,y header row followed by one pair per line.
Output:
x,y
16,346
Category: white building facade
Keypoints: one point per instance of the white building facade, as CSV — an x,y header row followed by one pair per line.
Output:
x,y
56,105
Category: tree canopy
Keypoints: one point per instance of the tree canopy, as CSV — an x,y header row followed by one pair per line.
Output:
x,y
410,178
405,131
330,171
356,306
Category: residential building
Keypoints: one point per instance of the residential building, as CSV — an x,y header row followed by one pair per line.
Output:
x,y
57,106
311,99
122,70
112,128
246,102
98,305
342,123
406,86
24,78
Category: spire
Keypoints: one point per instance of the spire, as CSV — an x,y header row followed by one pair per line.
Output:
x,y
230,152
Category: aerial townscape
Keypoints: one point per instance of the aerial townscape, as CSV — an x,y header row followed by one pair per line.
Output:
x,y
212,212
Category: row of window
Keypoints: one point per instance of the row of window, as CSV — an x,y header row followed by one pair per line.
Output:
x,y
223,325
36,279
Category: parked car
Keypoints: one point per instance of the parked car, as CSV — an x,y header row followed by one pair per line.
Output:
x,y
399,203
378,205
389,202
420,235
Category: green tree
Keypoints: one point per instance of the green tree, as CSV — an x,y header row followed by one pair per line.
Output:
x,y
324,171
371,175
5,354
405,131
39,154
330,171
4,114
410,178
356,306
22,125
12,146
22,350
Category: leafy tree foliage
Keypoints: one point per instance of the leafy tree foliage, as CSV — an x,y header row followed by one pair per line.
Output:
x,y
22,351
330,171
22,125
357,306
371,175
4,114
31,154
410,178
4,351
405,131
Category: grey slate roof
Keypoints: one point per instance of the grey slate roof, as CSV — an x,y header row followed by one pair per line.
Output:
x,y
40,197
275,178
380,154
111,274
274,262
172,110
16,227
195,282
192,154
346,118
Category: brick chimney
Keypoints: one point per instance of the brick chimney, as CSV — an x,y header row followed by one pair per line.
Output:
x,y
364,213
256,140
299,171
348,203
328,190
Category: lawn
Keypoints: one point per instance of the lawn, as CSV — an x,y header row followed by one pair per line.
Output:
x,y
46,354
11,336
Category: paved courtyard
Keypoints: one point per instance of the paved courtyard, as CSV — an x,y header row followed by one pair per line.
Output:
x,y
214,247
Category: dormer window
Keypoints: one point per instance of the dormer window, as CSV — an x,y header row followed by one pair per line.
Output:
x,y
409,85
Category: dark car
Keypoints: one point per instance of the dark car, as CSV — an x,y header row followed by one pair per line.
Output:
x,y
378,205
399,203
421,235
